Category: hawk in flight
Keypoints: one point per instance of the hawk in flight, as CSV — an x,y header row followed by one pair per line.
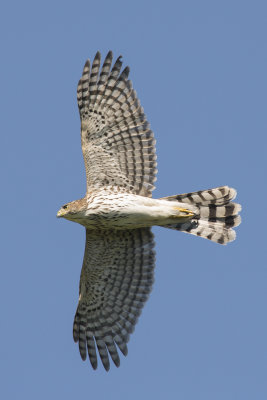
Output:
x,y
118,211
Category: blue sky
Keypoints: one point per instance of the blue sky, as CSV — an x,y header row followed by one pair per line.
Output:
x,y
199,68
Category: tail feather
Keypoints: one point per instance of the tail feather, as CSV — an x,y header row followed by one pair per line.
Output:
x,y
215,217
218,196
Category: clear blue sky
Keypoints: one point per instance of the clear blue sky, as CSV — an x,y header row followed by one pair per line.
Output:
x,y
199,68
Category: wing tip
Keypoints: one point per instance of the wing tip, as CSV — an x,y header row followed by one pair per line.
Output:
x,y
98,55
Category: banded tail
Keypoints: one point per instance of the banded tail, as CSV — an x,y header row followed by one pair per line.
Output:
x,y
215,217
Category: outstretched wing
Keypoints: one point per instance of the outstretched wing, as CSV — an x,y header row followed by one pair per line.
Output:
x,y
116,279
117,143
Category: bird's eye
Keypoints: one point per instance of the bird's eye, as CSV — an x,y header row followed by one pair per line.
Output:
x,y
65,207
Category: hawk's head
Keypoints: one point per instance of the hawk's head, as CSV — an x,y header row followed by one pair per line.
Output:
x,y
73,210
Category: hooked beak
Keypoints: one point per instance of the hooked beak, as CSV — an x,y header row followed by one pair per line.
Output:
x,y
60,213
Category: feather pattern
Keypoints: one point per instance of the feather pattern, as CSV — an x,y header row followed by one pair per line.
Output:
x,y
118,145
215,217
116,279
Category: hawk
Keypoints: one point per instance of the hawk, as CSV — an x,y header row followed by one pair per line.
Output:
x,y
118,211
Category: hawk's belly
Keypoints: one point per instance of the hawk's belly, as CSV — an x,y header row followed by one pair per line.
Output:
x,y
140,213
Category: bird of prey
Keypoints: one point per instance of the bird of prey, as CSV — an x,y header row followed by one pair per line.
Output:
x,y
118,211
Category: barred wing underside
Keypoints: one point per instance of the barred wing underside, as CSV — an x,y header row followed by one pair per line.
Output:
x,y
117,143
116,279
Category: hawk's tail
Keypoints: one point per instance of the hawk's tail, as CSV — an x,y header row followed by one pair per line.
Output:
x,y
215,214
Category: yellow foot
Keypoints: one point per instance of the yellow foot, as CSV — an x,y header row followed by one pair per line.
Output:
x,y
188,213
